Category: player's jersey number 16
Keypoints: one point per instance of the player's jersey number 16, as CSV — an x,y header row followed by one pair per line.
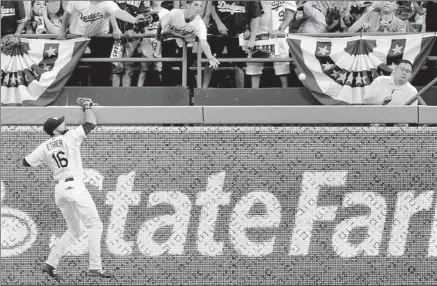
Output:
x,y
60,159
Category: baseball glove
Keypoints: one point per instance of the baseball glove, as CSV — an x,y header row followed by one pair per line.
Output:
x,y
85,102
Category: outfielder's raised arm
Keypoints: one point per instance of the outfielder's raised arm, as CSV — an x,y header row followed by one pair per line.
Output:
x,y
56,127
90,121
90,118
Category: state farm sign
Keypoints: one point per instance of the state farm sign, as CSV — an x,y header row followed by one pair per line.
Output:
x,y
19,230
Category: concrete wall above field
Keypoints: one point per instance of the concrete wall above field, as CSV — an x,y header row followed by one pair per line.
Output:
x,y
180,96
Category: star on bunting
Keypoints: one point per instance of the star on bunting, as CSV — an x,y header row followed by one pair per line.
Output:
x,y
359,79
335,74
36,75
342,77
51,52
350,78
13,80
323,50
46,67
327,66
397,50
6,79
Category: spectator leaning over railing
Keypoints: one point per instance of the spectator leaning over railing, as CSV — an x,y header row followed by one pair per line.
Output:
x,y
275,20
13,17
381,20
44,20
394,89
205,13
186,24
130,45
231,18
89,19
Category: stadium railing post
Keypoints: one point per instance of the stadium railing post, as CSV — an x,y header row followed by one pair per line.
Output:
x,y
199,65
184,64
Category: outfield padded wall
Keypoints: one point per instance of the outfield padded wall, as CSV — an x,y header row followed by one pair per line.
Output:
x,y
270,96
180,96
234,206
206,115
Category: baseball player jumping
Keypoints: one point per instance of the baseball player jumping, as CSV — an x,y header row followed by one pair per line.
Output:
x,y
62,155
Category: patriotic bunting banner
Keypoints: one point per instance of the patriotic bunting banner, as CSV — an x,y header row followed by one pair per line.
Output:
x,y
340,70
34,71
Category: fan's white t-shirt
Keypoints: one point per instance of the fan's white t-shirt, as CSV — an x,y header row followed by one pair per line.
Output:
x,y
90,18
173,23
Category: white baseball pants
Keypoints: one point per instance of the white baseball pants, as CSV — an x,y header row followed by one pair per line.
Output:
x,y
76,205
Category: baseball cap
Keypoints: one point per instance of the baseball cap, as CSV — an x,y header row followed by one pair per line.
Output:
x,y
52,123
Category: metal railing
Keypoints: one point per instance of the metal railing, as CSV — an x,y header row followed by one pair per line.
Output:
x,y
200,59
418,96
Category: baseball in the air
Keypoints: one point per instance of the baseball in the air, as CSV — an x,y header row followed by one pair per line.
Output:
x,y
302,76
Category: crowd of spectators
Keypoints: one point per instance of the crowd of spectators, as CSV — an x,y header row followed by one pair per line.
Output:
x,y
217,25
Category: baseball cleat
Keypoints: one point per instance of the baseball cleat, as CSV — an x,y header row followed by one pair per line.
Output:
x,y
100,273
51,271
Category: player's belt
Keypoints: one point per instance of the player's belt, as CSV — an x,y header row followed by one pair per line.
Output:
x,y
69,179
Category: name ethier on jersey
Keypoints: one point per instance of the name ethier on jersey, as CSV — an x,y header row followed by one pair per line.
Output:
x,y
54,144
222,6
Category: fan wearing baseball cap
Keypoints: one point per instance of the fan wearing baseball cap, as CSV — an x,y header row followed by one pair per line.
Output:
x,y
61,153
